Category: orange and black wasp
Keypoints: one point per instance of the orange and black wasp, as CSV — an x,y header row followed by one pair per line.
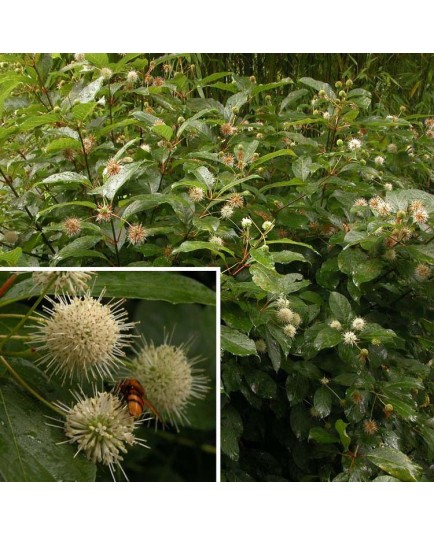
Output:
x,y
133,393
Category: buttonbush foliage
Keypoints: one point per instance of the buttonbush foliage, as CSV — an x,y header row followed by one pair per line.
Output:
x,y
316,205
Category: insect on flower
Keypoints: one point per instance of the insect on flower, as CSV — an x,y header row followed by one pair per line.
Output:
x,y
133,394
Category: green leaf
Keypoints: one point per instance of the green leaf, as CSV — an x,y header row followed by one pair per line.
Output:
x,y
374,331
318,86
82,110
38,120
66,179
10,258
30,449
340,307
82,246
285,257
7,85
271,156
300,421
423,253
321,435
361,97
292,97
88,93
322,402
341,428
327,338
259,88
63,143
87,204
231,430
262,256
301,167
261,384
188,246
164,286
395,463
356,264
271,281
164,131
236,343
99,59
293,242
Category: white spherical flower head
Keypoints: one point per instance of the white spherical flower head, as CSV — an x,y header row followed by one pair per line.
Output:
x,y
358,324
216,240
246,223
82,337
296,320
170,379
106,73
350,338
132,77
379,160
290,331
267,225
335,324
226,211
102,428
72,282
285,315
354,144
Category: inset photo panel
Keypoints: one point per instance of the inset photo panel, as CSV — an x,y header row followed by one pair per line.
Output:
x,y
108,375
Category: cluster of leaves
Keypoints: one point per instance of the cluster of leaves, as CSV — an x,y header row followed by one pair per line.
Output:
x,y
309,199
162,304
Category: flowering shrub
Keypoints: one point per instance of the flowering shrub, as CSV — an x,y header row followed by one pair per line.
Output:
x,y
316,206
76,392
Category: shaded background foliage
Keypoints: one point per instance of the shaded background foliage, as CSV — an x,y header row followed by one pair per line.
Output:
x,y
392,79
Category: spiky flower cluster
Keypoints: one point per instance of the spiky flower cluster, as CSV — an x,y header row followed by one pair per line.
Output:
x,y
226,211
418,211
380,206
422,272
72,226
112,167
137,234
358,324
104,212
354,144
172,382
101,427
227,129
196,194
216,240
350,338
286,316
132,77
246,223
82,337
70,281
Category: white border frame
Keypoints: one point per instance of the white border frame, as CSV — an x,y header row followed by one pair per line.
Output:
x,y
181,269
